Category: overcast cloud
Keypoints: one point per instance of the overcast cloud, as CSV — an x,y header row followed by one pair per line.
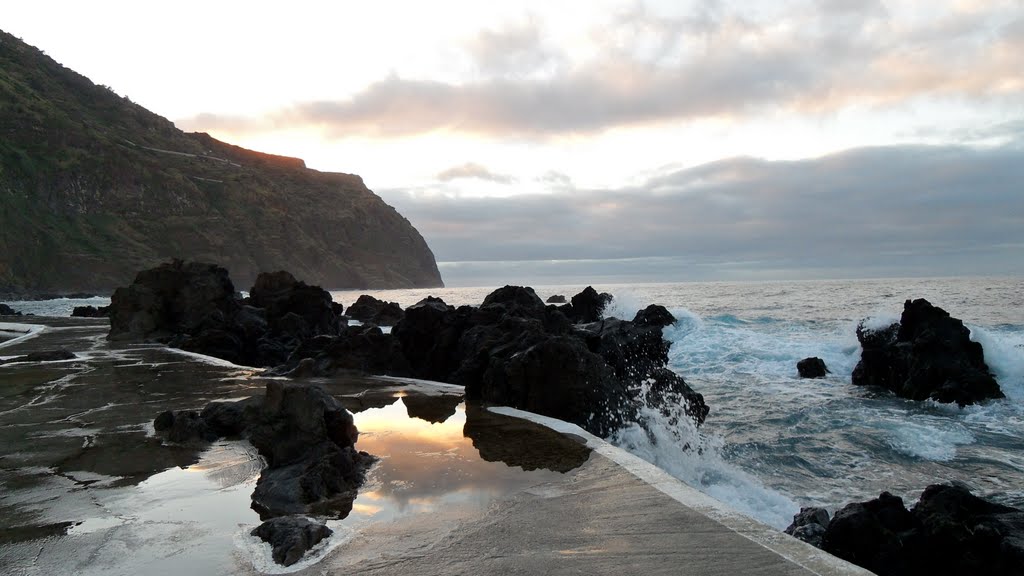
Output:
x,y
898,210
719,60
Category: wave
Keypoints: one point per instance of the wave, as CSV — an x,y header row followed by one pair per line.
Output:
x,y
1004,354
696,458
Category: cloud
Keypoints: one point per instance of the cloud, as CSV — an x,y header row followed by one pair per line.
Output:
x,y
473,170
935,210
720,60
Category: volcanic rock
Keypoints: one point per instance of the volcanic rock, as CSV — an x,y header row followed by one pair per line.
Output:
x,y
91,312
281,295
184,426
587,306
515,350
370,310
556,299
6,310
291,537
928,354
173,298
813,367
949,532
809,525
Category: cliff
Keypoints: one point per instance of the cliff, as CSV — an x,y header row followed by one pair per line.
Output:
x,y
94,187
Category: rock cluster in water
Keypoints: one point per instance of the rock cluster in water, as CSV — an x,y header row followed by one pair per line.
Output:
x,y
927,354
308,440
949,531
6,310
561,361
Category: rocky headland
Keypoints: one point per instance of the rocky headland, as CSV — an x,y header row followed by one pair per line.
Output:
x,y
94,187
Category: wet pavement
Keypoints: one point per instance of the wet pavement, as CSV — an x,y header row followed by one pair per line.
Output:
x,y
86,487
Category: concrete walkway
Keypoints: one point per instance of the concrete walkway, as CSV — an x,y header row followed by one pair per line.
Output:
x,y
614,515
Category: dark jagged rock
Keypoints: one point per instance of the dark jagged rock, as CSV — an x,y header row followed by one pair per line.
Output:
x,y
949,532
587,306
654,315
669,393
294,418
371,310
229,418
515,301
556,299
559,377
283,297
516,350
324,482
91,312
880,535
809,525
812,367
184,426
630,348
172,299
291,537
46,356
358,348
928,354
6,310
430,334
306,437
193,306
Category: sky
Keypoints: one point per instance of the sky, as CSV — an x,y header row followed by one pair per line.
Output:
x,y
642,140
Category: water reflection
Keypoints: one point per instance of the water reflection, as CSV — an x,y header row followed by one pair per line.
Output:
x,y
429,466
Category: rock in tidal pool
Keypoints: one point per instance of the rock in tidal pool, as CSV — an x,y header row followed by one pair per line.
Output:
x,y
291,537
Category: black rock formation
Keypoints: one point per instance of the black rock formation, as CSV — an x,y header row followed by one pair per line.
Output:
x,y
809,525
291,537
6,310
812,367
556,299
370,310
515,350
91,312
949,532
587,306
928,354
193,306
306,436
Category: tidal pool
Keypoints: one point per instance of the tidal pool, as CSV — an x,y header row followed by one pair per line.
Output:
x,y
86,487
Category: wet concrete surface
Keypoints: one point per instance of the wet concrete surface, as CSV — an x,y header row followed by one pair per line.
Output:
x,y
86,487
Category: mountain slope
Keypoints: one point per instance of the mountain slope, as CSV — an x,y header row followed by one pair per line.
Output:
x,y
94,187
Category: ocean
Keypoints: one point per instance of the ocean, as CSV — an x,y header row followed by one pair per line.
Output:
x,y
774,442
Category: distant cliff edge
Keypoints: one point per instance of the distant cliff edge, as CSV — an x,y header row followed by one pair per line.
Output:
x,y
94,187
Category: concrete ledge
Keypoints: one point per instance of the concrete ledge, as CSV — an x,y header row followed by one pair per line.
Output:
x,y
802,555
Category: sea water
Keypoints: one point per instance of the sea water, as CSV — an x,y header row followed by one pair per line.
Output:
x,y
774,442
